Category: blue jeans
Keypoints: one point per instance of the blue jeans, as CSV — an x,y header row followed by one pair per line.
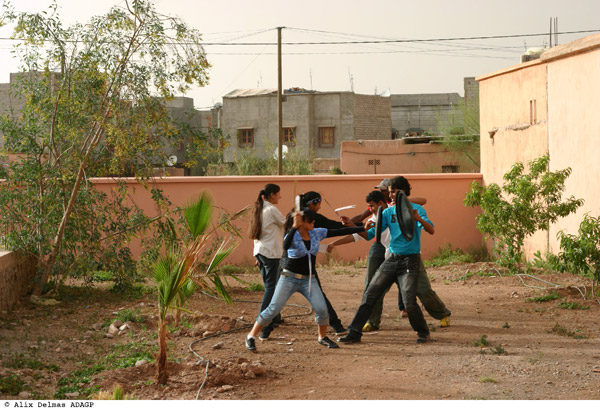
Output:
x,y
269,270
285,288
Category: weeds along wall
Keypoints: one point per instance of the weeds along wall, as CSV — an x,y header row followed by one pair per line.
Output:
x,y
454,223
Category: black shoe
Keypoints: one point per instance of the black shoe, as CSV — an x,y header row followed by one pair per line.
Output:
x,y
339,329
264,334
250,345
276,323
423,339
328,342
350,338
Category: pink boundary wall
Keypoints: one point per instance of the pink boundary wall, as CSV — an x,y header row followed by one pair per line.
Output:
x,y
454,223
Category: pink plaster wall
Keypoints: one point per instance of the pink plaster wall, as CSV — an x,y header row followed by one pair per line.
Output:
x,y
395,156
454,223
566,86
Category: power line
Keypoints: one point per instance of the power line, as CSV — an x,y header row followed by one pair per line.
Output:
x,y
392,41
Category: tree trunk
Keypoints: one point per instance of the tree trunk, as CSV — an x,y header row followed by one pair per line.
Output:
x,y
161,360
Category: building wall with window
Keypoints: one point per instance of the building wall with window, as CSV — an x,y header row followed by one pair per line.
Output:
x,y
319,122
546,106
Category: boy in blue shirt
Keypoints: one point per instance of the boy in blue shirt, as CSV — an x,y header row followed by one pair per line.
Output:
x,y
402,267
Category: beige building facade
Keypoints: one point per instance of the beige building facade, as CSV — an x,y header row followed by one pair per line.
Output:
x,y
314,123
547,106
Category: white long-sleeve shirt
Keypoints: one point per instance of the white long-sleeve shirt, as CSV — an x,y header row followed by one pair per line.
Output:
x,y
385,236
270,244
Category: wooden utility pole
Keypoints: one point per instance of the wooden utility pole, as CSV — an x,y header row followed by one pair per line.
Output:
x,y
279,106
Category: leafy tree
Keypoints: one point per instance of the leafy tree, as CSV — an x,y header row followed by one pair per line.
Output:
x,y
580,254
526,203
93,105
180,272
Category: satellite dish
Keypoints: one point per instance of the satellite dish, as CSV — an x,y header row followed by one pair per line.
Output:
x,y
386,93
284,150
172,160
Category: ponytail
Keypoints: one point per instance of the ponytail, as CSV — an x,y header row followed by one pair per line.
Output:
x,y
256,224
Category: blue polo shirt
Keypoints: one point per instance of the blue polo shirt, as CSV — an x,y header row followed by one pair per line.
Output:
x,y
398,244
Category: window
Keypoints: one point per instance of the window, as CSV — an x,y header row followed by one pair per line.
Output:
x,y
289,136
326,137
450,169
245,137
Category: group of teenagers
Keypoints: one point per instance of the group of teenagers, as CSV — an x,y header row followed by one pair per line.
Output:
x,y
286,249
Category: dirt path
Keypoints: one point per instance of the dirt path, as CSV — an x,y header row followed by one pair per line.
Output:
x,y
536,350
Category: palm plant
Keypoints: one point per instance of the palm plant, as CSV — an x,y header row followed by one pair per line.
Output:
x,y
182,271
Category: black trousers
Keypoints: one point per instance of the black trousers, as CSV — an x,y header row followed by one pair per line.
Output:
x,y
404,270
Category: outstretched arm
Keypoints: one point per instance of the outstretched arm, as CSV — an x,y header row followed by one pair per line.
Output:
x,y
341,241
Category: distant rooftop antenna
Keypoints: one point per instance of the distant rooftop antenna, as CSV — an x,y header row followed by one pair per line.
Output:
x,y
351,80
310,75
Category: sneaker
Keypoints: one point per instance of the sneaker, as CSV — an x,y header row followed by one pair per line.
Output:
x,y
423,339
445,322
369,327
403,313
328,342
250,345
264,334
340,330
350,338
277,323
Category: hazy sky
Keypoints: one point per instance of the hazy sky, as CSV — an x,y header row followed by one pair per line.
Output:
x,y
403,68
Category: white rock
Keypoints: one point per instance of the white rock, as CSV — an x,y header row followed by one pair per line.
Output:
x,y
109,336
258,368
24,395
113,330
141,362
72,395
218,345
124,327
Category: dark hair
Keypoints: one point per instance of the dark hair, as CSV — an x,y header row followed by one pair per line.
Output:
x,y
375,196
307,216
308,198
256,224
400,183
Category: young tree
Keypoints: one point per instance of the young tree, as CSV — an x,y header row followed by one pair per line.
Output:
x,y
93,104
526,203
580,254
180,272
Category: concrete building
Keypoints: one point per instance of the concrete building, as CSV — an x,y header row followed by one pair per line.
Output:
x,y
437,114
544,106
315,123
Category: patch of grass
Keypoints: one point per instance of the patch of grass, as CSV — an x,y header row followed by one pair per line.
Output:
x,y
132,292
122,356
544,298
446,255
255,287
481,342
534,360
487,380
505,325
102,276
563,331
572,305
498,350
19,361
11,384
129,315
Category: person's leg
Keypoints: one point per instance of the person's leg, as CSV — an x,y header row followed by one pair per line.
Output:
x,y
430,300
385,276
269,270
317,301
283,291
334,320
374,261
408,280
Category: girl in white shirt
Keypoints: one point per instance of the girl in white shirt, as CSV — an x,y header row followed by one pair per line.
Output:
x,y
266,229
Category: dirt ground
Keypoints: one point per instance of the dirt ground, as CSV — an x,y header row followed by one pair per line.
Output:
x,y
536,350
